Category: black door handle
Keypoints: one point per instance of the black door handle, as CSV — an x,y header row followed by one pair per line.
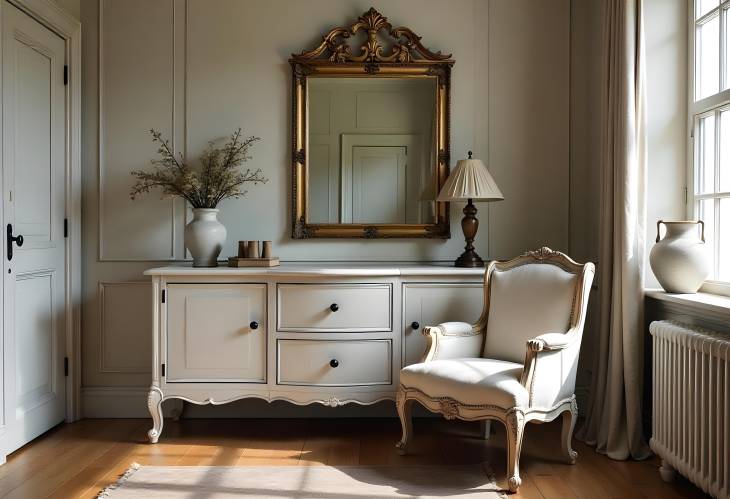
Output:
x,y
334,307
12,239
254,325
334,363
415,325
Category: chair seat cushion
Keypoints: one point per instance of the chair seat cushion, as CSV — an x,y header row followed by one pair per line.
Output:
x,y
469,381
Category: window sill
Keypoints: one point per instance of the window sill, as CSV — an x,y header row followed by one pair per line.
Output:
x,y
701,302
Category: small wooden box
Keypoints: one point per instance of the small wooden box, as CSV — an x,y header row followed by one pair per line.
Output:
x,y
235,261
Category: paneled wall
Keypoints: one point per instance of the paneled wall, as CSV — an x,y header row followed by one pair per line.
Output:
x,y
198,69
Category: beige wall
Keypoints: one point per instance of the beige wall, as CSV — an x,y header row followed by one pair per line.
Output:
x,y
72,7
198,69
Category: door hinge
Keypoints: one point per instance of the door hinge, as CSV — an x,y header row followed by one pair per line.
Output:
x,y
686,196
163,370
65,366
65,75
65,227
163,296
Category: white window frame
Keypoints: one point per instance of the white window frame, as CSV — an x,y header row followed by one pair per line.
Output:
x,y
698,109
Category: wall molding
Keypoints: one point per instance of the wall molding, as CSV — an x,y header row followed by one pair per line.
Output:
x,y
116,402
101,140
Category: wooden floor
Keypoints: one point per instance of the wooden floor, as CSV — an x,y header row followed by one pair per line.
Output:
x,y
79,459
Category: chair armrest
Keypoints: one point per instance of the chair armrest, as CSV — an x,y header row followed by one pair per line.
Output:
x,y
554,353
453,340
551,341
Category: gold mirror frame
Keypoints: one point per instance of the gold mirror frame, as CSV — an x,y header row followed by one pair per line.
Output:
x,y
408,58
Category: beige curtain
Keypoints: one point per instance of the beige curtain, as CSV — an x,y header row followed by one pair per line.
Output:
x,y
613,422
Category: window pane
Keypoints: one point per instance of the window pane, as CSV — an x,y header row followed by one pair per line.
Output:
x,y
725,151
707,64
702,7
705,171
723,265
706,213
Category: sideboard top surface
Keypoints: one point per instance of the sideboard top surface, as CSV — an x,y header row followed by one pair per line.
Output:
x,y
382,269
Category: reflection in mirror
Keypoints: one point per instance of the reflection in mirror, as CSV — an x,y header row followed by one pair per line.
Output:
x,y
372,150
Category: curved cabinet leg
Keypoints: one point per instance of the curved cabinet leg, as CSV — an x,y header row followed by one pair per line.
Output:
x,y
667,471
154,404
515,431
569,418
404,407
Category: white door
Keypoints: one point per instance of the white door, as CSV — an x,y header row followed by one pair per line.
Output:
x,y
33,165
379,185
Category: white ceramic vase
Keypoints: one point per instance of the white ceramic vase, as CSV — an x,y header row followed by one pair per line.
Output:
x,y
204,237
680,261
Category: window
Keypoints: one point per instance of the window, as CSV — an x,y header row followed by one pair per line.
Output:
x,y
710,120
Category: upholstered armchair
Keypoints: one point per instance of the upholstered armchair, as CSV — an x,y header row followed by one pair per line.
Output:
x,y
517,363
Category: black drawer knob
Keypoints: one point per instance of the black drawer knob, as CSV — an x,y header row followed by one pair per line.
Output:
x,y
334,307
415,325
254,325
334,363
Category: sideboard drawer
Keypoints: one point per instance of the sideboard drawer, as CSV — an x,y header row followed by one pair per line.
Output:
x,y
334,307
334,363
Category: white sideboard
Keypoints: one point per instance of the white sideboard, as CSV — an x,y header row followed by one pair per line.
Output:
x,y
306,334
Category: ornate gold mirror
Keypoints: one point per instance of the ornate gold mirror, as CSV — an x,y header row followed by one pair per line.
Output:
x,y
370,134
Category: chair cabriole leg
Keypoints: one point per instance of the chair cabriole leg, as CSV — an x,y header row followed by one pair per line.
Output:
x,y
404,407
515,431
569,418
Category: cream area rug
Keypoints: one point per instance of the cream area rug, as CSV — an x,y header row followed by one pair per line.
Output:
x,y
305,482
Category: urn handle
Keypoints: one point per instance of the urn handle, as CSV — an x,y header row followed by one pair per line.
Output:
x,y
699,222
702,230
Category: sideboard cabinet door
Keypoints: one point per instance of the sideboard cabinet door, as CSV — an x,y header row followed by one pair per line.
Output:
x,y
429,304
216,332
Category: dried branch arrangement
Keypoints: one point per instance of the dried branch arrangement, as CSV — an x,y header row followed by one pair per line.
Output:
x,y
219,176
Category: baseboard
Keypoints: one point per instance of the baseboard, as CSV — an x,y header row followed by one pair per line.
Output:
x,y
114,402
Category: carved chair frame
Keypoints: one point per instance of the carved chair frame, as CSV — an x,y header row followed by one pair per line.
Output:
x,y
514,418
406,57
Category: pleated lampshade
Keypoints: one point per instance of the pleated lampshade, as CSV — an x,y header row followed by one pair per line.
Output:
x,y
470,179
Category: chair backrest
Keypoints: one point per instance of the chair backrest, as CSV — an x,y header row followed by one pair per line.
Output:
x,y
539,292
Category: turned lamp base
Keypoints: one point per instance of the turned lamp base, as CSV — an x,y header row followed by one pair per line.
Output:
x,y
469,225
469,259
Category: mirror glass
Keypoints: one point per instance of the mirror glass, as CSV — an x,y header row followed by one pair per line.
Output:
x,y
372,155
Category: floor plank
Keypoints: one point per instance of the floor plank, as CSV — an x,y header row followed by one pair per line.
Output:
x,y
80,459
83,451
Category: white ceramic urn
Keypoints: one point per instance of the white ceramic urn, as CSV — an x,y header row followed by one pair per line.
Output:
x,y
204,237
680,260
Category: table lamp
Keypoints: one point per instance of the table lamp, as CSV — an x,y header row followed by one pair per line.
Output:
x,y
471,181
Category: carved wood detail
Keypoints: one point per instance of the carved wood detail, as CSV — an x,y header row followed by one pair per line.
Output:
x,y
406,45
